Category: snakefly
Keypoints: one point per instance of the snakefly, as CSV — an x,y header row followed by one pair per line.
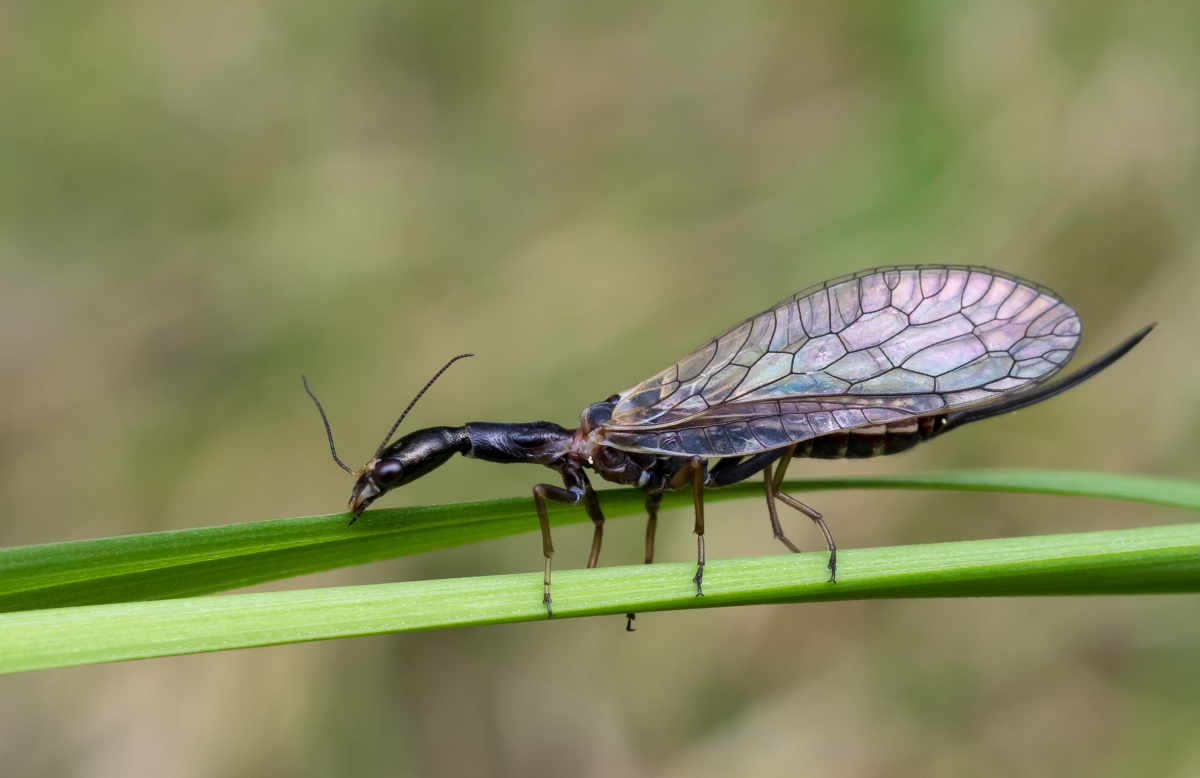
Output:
x,y
862,365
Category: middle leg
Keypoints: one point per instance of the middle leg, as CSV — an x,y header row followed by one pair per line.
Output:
x,y
653,501
592,505
694,471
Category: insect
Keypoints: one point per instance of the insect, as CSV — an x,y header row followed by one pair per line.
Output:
x,y
859,366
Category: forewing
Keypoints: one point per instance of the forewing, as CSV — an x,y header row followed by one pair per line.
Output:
x,y
859,350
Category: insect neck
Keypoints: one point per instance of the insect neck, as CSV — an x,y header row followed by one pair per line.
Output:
x,y
534,442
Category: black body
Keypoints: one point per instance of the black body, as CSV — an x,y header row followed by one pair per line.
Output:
x,y
571,452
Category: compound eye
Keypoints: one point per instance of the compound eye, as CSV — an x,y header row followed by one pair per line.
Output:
x,y
387,471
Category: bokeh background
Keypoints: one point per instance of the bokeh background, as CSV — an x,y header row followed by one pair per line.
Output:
x,y
201,199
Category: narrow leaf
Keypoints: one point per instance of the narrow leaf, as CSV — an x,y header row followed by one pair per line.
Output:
x,y
1139,561
160,565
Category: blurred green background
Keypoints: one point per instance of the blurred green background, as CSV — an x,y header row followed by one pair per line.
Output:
x,y
201,200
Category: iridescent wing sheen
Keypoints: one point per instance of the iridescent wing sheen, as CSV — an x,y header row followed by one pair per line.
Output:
x,y
873,347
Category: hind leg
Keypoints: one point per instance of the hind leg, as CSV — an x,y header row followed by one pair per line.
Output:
x,y
776,528
772,486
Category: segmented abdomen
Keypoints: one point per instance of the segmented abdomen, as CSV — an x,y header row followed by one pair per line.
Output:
x,y
873,441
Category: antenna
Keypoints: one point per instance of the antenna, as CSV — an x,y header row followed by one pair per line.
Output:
x,y
424,389
328,432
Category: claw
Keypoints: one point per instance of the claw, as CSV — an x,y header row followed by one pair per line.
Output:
x,y
549,610
698,581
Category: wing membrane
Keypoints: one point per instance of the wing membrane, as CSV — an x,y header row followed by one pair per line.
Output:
x,y
864,349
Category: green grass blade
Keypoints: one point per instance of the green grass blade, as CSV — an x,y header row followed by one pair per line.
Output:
x,y
1155,490
183,563
1140,561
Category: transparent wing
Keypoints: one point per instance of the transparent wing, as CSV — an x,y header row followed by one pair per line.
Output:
x,y
854,351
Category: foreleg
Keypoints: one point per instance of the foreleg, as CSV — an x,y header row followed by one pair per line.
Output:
x,y
540,494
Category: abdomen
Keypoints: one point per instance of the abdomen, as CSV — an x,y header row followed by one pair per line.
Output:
x,y
873,441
